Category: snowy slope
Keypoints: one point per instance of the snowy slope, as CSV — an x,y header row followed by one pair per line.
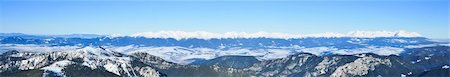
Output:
x,y
184,55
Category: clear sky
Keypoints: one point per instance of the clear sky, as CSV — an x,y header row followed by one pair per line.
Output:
x,y
430,18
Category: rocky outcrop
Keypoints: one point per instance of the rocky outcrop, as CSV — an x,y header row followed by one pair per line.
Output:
x,y
360,67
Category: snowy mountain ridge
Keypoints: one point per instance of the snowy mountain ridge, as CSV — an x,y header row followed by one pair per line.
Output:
x,y
209,35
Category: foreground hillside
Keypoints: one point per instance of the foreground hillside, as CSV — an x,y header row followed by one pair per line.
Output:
x,y
428,61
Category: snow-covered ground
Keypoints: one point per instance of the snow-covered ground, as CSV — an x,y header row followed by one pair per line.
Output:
x,y
57,67
184,55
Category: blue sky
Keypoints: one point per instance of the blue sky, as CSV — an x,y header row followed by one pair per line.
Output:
x,y
430,18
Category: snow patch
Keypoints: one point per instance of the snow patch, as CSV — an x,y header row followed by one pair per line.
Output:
x,y
274,54
57,67
427,58
111,67
318,50
445,67
386,51
402,75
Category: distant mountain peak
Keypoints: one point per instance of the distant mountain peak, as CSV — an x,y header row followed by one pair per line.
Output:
x,y
369,34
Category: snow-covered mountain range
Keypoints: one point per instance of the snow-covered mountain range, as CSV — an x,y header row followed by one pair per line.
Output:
x,y
159,53
209,35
